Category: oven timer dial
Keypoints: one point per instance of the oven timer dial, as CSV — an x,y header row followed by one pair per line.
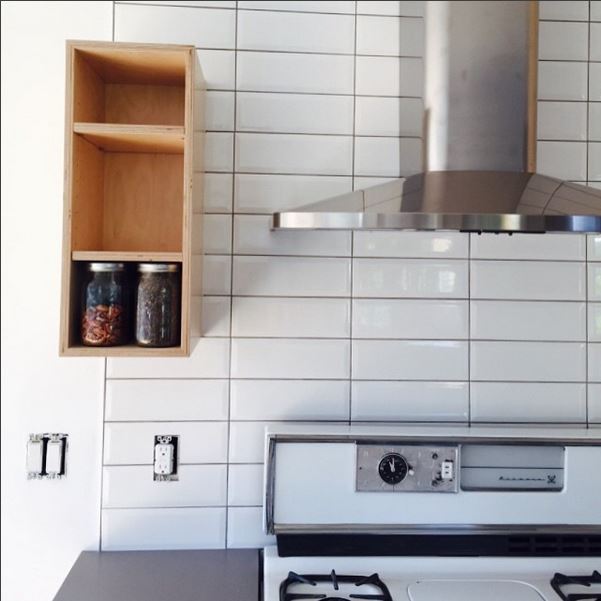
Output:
x,y
393,468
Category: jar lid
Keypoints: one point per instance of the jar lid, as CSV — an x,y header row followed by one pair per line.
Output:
x,y
106,266
157,267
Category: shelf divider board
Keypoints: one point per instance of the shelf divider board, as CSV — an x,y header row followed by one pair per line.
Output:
x,y
114,137
118,256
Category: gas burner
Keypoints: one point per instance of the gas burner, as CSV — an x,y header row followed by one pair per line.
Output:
x,y
367,587
561,581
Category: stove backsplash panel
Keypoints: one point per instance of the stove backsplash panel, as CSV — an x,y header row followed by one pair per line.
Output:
x,y
326,326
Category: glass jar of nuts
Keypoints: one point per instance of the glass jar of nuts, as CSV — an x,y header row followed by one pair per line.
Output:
x,y
105,311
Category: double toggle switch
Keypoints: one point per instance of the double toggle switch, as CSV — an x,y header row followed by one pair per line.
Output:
x,y
46,456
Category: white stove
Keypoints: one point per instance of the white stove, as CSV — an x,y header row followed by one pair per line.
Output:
x,y
429,514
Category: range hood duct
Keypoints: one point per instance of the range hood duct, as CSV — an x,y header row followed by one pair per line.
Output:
x,y
476,140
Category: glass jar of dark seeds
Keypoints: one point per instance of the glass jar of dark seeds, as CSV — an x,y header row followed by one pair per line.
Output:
x,y
158,304
104,311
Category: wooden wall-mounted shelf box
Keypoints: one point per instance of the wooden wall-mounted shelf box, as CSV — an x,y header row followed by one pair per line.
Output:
x,y
129,167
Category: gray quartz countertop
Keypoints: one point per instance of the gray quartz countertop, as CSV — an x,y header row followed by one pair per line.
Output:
x,y
223,575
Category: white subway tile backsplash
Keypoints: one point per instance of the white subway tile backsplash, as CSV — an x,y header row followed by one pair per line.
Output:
x,y
562,121
205,3
528,361
563,81
595,10
572,10
392,36
217,234
386,7
218,151
164,528
594,403
423,245
563,41
219,111
245,528
294,32
595,42
134,486
295,154
218,68
322,98
291,317
217,193
216,272
247,441
204,28
595,81
319,6
594,362
528,402
564,160
394,318
132,443
292,276
551,247
214,316
594,247
409,360
290,400
529,320
389,278
389,116
410,401
269,193
594,121
594,161
389,76
245,485
594,281
179,400
388,157
527,280
253,236
209,359
273,72
594,322
294,113
290,358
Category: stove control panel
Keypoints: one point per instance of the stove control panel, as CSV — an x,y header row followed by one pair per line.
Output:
x,y
407,468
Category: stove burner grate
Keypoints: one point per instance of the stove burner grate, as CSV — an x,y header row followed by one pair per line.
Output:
x,y
335,580
560,580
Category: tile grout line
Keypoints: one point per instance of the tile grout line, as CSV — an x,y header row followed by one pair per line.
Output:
x,y
354,146
469,329
586,296
232,231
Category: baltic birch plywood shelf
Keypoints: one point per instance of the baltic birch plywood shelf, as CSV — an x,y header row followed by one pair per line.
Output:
x,y
128,171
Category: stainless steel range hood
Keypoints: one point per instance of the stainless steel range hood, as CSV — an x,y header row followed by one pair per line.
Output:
x,y
478,142
473,201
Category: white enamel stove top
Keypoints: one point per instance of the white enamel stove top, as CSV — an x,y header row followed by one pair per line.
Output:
x,y
433,578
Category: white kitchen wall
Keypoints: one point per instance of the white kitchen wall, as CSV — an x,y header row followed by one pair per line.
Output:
x,y
45,524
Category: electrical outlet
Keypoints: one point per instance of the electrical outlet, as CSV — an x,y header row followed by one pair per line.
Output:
x,y
165,457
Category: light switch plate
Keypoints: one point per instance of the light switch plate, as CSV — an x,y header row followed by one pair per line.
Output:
x,y
46,456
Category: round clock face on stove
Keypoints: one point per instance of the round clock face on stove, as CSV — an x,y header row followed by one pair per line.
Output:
x,y
393,468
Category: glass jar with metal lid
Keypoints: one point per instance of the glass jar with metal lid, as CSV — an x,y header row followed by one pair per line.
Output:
x,y
158,304
105,311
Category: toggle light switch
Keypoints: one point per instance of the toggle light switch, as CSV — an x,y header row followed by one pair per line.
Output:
x,y
46,456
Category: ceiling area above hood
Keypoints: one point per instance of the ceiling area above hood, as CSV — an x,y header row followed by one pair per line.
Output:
x,y
472,201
